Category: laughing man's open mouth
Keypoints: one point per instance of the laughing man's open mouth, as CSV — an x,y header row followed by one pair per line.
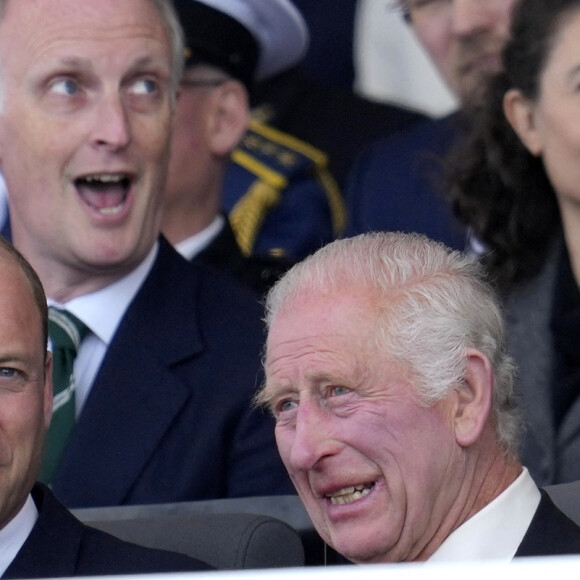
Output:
x,y
105,193
350,494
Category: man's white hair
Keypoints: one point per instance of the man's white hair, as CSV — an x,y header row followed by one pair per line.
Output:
x,y
432,304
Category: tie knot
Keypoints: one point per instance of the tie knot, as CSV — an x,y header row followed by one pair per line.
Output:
x,y
65,329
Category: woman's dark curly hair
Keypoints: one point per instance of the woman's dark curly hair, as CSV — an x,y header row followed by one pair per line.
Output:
x,y
496,186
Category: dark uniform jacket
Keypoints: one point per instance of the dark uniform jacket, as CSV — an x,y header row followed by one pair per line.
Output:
x,y
280,196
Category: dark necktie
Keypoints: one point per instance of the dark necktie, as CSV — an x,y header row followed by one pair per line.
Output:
x,y
66,333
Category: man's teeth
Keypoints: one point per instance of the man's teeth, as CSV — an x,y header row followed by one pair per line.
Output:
x,y
104,178
105,193
110,210
349,494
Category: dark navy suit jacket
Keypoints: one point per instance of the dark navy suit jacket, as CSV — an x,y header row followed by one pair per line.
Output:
x,y
169,417
396,184
61,546
551,532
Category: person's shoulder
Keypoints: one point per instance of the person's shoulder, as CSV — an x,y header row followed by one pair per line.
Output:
x,y
276,156
403,159
280,194
550,533
434,134
221,286
61,545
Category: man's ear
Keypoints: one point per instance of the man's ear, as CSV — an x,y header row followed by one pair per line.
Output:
x,y
230,117
474,399
48,395
520,112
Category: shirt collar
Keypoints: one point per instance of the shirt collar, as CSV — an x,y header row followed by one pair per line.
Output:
x,y
495,532
15,532
103,310
190,247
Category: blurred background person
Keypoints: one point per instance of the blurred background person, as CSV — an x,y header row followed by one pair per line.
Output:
x,y
517,186
316,100
397,183
392,66
279,192
228,44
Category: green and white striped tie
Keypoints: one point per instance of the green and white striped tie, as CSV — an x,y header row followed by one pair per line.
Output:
x,y
66,333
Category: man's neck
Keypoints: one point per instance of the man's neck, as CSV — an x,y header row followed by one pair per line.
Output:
x,y
64,279
63,284
488,475
191,212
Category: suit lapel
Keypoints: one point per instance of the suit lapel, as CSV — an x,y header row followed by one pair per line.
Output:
x,y
137,392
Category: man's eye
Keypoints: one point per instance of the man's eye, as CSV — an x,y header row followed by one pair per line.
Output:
x,y
144,87
68,87
287,405
7,372
338,391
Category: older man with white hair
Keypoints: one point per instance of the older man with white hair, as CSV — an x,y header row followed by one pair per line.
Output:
x,y
396,415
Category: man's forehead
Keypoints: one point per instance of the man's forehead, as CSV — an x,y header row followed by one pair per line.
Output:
x,y
321,334
31,32
103,16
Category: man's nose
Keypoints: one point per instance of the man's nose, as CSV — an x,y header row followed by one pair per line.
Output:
x,y
112,129
313,437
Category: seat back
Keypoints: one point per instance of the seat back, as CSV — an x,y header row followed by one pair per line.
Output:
x,y
231,541
567,497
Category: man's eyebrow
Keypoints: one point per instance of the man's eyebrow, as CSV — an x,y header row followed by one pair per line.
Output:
x,y
72,62
148,61
263,396
269,392
14,357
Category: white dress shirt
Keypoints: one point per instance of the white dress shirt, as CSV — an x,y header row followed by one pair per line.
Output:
x,y
495,532
14,533
102,312
192,246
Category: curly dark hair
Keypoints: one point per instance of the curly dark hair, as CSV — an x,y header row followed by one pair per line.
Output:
x,y
496,185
